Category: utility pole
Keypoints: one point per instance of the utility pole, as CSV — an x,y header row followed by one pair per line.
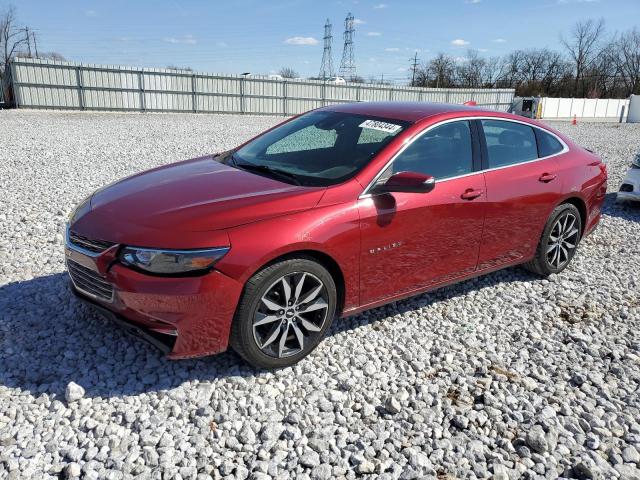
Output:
x,y
348,63
326,67
414,67
26,31
35,44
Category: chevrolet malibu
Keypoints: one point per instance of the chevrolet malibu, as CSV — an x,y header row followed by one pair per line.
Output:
x,y
328,214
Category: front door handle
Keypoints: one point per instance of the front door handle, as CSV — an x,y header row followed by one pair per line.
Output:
x,y
470,194
547,177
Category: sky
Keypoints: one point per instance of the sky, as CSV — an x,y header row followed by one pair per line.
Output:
x,y
262,36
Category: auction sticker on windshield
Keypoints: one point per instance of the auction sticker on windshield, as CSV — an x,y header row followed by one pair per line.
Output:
x,y
382,126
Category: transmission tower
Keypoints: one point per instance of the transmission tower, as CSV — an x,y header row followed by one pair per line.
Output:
x,y
326,67
348,63
414,68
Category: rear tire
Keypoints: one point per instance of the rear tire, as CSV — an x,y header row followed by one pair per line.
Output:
x,y
284,312
558,242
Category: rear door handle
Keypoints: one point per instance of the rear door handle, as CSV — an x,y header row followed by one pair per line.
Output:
x,y
470,194
547,177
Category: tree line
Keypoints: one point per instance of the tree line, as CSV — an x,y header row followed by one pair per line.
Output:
x,y
590,64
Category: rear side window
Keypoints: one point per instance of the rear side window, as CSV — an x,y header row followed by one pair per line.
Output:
x,y
441,152
547,144
509,143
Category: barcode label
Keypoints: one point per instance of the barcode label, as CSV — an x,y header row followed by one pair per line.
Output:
x,y
382,126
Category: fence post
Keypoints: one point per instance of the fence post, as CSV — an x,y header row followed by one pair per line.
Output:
x,y
141,89
284,98
324,93
390,93
242,95
12,91
194,100
358,93
80,91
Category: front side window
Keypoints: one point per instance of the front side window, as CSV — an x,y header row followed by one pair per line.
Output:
x,y
442,152
509,143
317,149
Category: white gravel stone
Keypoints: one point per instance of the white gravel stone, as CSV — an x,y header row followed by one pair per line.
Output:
x,y
73,392
501,354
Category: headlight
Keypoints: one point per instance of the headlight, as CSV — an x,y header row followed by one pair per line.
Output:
x,y
171,262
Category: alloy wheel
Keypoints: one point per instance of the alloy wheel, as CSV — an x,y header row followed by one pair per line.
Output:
x,y
563,240
290,314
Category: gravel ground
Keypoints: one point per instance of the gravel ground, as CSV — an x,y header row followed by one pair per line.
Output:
x,y
506,376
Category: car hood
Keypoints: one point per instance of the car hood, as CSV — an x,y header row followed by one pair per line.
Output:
x,y
199,195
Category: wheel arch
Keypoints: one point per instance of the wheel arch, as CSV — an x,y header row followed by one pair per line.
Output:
x,y
324,259
580,204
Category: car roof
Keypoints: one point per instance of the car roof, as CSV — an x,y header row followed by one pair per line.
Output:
x,y
408,111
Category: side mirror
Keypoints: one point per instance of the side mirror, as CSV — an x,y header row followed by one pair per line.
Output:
x,y
409,182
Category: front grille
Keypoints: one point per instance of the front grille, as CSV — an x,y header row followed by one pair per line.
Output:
x,y
626,187
97,246
89,282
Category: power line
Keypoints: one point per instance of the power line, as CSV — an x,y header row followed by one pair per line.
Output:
x,y
326,67
348,63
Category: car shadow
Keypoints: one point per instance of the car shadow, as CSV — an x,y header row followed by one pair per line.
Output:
x,y
49,338
626,210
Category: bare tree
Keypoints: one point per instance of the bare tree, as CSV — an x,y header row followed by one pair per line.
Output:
x,y
470,71
583,46
438,73
628,60
11,38
288,72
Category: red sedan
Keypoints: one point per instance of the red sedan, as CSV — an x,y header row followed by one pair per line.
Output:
x,y
330,213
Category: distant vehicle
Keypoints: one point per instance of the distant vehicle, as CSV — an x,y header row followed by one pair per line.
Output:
x,y
337,80
630,188
333,212
276,77
525,106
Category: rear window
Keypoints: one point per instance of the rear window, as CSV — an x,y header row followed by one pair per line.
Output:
x,y
509,143
547,144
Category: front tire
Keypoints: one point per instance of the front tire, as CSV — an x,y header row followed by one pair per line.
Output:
x,y
558,242
284,312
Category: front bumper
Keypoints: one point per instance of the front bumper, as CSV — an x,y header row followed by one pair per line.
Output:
x,y
630,187
185,317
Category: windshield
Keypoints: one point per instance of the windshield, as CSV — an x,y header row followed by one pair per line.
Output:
x,y
317,149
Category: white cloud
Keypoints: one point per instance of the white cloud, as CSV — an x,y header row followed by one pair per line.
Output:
x,y
222,44
301,41
184,40
458,42
401,69
91,13
358,21
483,50
499,40
392,49
473,1
373,34
380,6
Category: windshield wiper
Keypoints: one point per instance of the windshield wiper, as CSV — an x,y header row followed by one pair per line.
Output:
x,y
275,172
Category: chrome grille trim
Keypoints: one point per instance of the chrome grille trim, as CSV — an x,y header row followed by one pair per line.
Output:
x,y
89,282
96,246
